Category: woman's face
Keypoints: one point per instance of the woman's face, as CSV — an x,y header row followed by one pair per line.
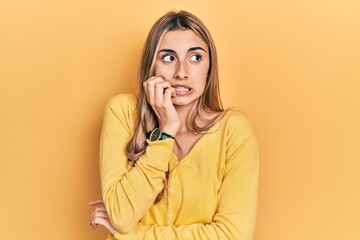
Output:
x,y
183,60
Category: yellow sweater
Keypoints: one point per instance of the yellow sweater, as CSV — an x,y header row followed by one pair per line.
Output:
x,y
212,191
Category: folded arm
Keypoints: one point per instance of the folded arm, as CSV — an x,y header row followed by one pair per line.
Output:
x,y
129,191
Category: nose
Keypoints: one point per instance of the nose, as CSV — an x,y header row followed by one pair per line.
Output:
x,y
181,71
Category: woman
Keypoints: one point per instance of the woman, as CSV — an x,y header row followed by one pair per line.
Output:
x,y
174,164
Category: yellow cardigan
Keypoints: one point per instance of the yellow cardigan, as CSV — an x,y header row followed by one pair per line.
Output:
x,y
212,191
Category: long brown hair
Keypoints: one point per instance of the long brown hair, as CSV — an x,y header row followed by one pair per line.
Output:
x,y
209,101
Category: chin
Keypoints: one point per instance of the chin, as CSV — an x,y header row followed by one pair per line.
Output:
x,y
179,102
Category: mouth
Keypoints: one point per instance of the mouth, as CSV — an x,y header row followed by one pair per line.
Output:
x,y
182,90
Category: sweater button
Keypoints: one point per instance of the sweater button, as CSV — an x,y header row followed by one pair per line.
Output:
x,y
169,215
170,190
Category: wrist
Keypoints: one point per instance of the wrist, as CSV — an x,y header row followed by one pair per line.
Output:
x,y
169,130
158,134
165,135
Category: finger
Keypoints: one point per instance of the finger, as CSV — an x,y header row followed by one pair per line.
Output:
x,y
100,208
96,202
150,86
167,96
92,223
99,211
96,215
105,222
101,214
159,92
94,226
145,84
173,92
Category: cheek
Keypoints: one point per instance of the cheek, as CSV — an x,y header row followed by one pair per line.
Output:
x,y
202,74
200,82
156,70
162,71
205,68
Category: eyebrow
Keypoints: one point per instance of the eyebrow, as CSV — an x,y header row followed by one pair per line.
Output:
x,y
196,48
190,50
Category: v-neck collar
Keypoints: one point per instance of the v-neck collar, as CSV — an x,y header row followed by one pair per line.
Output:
x,y
199,141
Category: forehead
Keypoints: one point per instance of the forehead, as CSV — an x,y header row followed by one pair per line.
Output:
x,y
182,40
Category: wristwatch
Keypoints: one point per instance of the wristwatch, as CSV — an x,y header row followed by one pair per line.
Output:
x,y
157,134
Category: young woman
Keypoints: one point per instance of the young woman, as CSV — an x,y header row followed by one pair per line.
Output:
x,y
174,164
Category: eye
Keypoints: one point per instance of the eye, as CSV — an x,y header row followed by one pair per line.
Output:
x,y
195,58
168,58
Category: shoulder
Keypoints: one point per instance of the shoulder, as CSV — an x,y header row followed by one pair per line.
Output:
x,y
122,101
238,122
238,132
121,108
122,104
236,128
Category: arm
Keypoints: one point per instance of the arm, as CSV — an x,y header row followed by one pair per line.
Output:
x,y
236,214
128,191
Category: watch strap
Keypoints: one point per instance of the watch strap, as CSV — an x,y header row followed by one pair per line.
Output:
x,y
165,135
157,134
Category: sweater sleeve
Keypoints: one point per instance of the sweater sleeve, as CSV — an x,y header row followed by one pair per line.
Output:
x,y
128,191
237,203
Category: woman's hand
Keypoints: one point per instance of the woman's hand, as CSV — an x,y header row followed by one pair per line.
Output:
x,y
159,94
100,216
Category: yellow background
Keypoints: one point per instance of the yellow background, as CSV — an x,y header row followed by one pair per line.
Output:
x,y
292,66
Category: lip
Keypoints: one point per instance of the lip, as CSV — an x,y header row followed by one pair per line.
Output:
x,y
180,85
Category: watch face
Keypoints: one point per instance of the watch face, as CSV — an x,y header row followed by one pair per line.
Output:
x,y
155,135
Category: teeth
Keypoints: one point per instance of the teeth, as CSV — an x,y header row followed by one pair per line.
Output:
x,y
182,89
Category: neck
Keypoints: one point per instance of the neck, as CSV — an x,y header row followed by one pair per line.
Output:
x,y
183,112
